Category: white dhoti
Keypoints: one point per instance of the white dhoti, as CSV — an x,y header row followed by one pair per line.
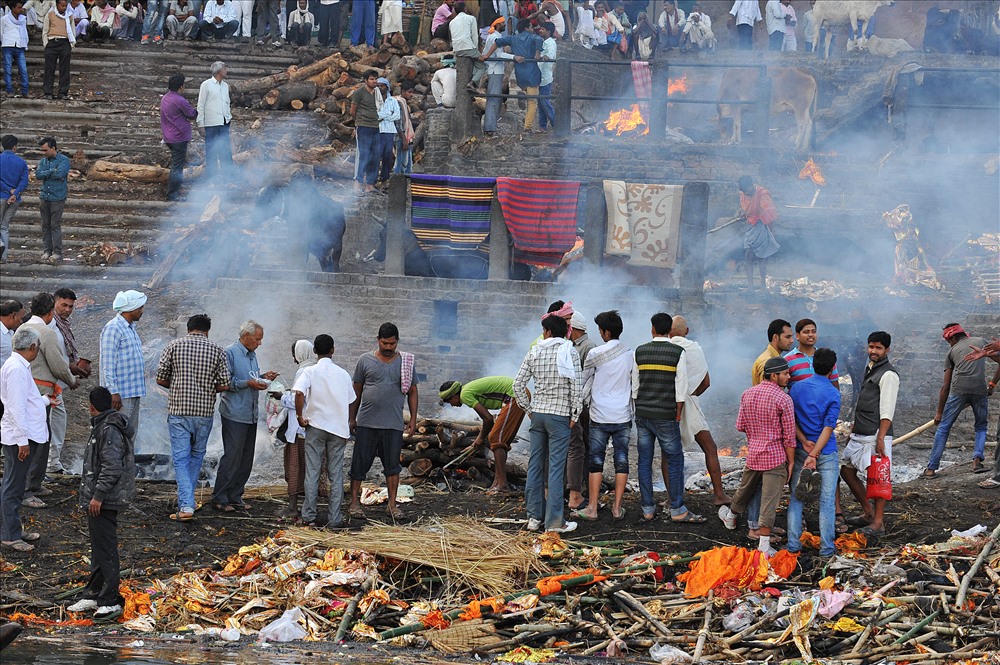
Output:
x,y
692,420
860,450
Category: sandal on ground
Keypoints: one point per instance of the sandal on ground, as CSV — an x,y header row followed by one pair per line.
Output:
x,y
580,515
989,484
620,516
861,521
500,491
356,514
223,507
778,531
18,545
648,518
978,466
30,537
240,506
869,532
929,473
396,514
182,517
32,502
688,518
841,524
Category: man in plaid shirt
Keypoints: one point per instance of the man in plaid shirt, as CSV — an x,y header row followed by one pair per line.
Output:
x,y
554,406
193,369
123,371
767,417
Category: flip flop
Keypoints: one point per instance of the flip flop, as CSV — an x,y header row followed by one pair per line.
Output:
x,y
870,532
620,516
223,507
356,514
929,473
396,515
989,484
580,515
30,537
19,545
688,518
841,523
978,466
182,517
861,521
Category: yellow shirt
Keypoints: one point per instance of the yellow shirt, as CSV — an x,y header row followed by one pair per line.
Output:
x,y
757,374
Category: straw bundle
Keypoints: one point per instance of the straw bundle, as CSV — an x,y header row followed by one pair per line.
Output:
x,y
462,550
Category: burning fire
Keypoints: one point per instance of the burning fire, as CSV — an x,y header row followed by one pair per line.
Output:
x,y
728,452
626,120
812,170
678,86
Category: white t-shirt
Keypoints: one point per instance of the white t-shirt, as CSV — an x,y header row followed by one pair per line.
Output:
x,y
329,392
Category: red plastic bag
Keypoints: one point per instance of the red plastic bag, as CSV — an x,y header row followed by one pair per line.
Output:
x,y
880,478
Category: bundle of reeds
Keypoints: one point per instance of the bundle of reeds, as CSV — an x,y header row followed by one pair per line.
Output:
x,y
463,551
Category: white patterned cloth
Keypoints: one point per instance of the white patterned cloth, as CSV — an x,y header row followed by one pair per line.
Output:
x,y
643,222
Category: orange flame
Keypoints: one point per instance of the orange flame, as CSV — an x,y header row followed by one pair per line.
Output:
x,y
678,86
744,451
626,120
725,452
812,170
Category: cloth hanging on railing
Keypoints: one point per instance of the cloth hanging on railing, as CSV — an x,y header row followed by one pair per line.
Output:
x,y
644,222
642,80
541,217
450,213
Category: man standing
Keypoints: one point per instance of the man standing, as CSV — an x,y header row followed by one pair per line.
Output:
x,y
389,115
405,134
363,15
52,171
779,341
123,371
364,110
774,15
744,15
872,433
482,396
14,45
51,373
65,302
239,412
549,52
659,390
525,46
694,425
193,369
176,114
106,488
22,429
579,437
215,116
13,182
607,377
384,380
58,40
219,22
156,14
767,417
328,19
11,315
323,396
964,385
817,405
465,42
757,208
443,15
495,71
800,358
554,365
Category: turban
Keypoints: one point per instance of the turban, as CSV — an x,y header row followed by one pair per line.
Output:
x,y
129,301
775,366
951,331
499,21
383,81
578,322
565,312
451,391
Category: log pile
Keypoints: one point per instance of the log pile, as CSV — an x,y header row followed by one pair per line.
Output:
x,y
444,444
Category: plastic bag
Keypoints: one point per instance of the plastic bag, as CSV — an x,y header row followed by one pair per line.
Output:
x,y
665,654
880,478
740,618
285,628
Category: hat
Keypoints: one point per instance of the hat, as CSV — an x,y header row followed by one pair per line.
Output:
x,y
129,301
448,61
383,81
775,366
499,21
578,322
951,331
451,391
562,312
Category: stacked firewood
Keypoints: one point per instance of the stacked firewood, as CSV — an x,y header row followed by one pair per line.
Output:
x,y
444,444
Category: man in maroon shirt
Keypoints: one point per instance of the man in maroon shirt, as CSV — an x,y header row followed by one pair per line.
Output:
x,y
176,114
767,417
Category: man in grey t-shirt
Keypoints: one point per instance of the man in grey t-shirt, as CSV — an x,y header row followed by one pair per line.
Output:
x,y
383,380
964,385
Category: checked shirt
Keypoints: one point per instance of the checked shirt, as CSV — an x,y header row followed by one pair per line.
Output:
x,y
123,372
194,367
767,417
554,394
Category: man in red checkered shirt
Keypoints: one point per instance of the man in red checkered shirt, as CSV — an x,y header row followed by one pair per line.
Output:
x,y
767,417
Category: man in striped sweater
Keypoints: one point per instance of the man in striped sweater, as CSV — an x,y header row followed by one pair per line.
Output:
x,y
659,389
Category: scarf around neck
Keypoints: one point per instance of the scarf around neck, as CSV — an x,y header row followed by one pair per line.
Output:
x,y
70,32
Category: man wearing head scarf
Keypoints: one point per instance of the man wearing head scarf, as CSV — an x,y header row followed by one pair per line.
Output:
x,y
964,385
767,417
123,372
193,369
389,114
576,473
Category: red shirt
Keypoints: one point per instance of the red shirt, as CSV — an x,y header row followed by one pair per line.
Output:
x,y
767,417
759,207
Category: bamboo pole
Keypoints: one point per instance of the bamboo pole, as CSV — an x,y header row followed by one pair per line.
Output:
x,y
964,588
703,633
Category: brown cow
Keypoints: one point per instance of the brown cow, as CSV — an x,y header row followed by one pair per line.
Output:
x,y
792,90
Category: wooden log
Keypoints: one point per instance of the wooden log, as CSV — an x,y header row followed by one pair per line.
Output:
x,y
420,467
115,171
344,92
293,73
443,438
211,213
399,43
377,60
279,98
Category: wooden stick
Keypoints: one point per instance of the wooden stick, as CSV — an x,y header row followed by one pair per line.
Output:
x,y
730,223
348,621
964,589
909,435
703,633
920,626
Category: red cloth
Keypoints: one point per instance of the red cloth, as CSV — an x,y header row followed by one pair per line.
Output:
x,y
759,207
642,80
767,417
541,217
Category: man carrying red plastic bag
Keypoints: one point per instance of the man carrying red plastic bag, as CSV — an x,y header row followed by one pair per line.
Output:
x,y
869,449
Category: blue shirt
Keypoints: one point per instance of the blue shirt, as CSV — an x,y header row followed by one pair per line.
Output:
x,y
6,348
123,371
13,174
52,173
526,45
239,403
817,405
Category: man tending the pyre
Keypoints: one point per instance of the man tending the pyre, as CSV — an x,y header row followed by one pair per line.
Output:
x,y
758,209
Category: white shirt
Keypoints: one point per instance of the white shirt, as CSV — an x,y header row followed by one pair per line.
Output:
x,y
609,384
328,391
225,11
213,103
443,86
695,362
704,19
774,13
24,407
6,348
301,17
494,68
549,50
747,12
14,33
666,21
464,33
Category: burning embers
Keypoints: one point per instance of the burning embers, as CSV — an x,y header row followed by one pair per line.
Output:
x,y
632,121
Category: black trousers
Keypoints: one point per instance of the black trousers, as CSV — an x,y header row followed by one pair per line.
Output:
x,y
328,22
238,444
105,566
57,56
299,33
178,158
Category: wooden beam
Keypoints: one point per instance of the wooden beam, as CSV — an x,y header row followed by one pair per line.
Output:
x,y
694,229
395,225
595,224
499,243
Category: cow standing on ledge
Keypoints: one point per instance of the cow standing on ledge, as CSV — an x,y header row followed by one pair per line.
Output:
x,y
830,13
792,90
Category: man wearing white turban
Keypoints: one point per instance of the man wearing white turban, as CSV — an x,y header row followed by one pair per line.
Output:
x,y
122,368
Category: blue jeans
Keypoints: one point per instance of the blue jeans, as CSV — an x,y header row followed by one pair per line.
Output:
x,y
548,111
156,14
599,435
668,434
494,86
828,468
404,157
549,445
386,141
188,442
367,156
952,408
363,20
218,151
9,55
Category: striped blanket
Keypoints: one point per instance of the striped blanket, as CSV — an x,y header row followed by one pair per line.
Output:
x,y
541,218
450,213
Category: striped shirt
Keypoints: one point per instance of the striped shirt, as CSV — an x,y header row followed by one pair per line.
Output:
x,y
659,379
123,371
554,394
801,366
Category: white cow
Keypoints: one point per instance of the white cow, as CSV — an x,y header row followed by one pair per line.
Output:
x,y
830,13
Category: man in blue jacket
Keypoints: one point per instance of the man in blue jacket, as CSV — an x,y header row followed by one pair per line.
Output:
x,y
52,172
13,182
526,48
